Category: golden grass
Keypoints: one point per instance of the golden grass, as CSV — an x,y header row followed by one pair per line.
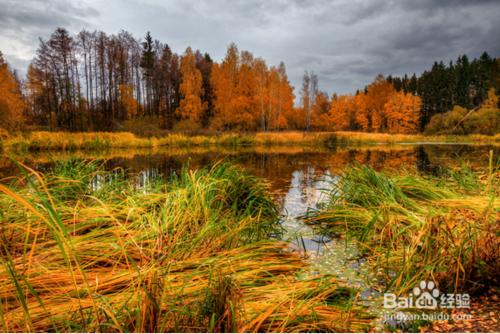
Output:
x,y
190,255
365,137
415,228
42,140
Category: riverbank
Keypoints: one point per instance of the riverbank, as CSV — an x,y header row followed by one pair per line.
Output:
x,y
41,140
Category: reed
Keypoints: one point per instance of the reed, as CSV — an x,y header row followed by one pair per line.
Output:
x,y
43,140
86,250
413,227
349,137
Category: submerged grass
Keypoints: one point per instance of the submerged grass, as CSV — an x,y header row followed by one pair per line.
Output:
x,y
413,227
85,250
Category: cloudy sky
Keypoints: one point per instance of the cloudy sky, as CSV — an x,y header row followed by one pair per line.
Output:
x,y
345,42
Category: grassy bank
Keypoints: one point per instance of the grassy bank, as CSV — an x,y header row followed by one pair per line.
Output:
x,y
413,228
40,140
98,140
386,138
85,250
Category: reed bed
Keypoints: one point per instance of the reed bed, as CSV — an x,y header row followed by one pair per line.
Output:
x,y
85,250
349,137
413,227
44,140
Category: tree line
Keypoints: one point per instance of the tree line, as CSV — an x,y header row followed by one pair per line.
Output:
x,y
93,81
461,83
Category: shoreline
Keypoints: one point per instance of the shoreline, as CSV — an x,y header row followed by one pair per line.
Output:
x,y
68,141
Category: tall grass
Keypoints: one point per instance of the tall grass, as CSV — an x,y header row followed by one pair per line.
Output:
x,y
349,137
189,254
413,227
43,140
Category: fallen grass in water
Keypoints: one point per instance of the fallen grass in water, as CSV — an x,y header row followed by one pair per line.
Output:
x,y
85,250
412,227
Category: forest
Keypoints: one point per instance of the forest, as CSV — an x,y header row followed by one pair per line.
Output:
x,y
94,81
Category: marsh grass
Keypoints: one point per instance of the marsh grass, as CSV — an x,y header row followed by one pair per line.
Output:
x,y
44,140
349,137
187,254
413,227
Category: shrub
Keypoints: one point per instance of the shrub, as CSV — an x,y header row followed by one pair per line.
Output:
x,y
461,121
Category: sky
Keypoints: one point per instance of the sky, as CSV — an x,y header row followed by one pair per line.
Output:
x,y
345,42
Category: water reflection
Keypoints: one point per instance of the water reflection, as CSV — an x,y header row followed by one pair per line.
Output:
x,y
146,177
306,191
274,164
340,257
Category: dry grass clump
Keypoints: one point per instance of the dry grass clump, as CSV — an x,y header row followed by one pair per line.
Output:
x,y
414,228
85,251
44,140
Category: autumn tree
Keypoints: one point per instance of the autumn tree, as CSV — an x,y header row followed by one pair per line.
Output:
x,y
244,116
378,93
319,112
261,92
402,111
284,96
11,101
361,116
191,107
342,112
224,83
127,101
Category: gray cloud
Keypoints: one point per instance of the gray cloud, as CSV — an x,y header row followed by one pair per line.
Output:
x,y
346,42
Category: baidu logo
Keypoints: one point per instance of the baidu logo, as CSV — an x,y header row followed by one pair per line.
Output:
x,y
426,296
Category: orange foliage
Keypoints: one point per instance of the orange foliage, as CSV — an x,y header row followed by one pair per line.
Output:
x,y
191,107
380,109
341,113
224,83
402,112
11,102
127,100
377,96
361,117
320,119
248,95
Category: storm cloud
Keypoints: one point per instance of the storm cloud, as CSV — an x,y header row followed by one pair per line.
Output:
x,y
346,42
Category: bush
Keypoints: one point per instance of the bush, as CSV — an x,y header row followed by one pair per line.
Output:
x,y
484,121
461,121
